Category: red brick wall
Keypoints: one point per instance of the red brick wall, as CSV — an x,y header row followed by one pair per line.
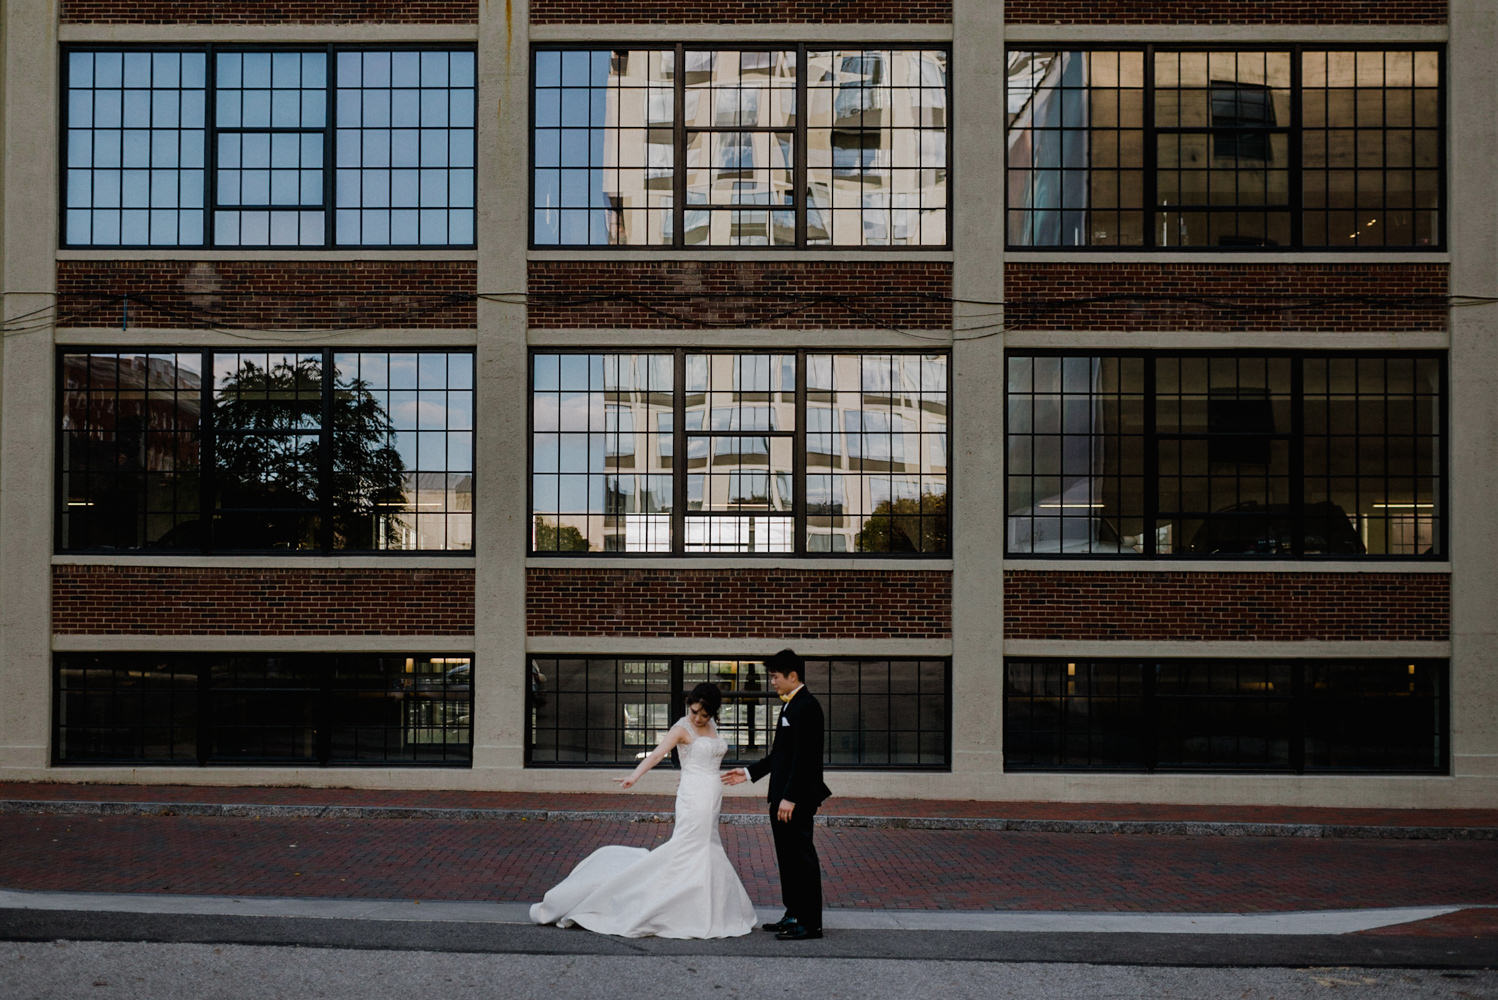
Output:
x,y
695,295
768,604
156,600
1226,606
269,11
1225,12
1225,297
267,294
741,11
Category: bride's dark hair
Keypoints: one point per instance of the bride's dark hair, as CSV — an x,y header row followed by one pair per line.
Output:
x,y
708,696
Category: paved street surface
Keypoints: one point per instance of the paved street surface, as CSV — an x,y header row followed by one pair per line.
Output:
x,y
69,970
125,891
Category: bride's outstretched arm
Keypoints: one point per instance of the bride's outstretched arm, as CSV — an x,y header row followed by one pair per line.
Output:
x,y
673,736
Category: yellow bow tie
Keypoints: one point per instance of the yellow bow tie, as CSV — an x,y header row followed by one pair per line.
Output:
x,y
787,697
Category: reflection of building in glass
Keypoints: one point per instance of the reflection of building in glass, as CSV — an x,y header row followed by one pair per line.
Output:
x,y
1223,455
606,449
630,152
1217,140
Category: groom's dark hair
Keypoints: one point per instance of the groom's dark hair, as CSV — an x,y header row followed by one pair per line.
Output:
x,y
787,662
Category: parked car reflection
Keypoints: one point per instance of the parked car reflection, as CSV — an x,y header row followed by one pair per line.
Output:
x,y
1252,528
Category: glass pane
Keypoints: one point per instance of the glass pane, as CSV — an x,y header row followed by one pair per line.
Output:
x,y
405,134
601,453
134,132
1074,148
130,450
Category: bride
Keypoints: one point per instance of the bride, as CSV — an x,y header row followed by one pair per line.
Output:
x,y
685,888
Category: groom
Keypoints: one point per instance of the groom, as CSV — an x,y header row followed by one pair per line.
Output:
x,y
796,790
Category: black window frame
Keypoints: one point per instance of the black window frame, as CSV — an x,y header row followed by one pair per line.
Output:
x,y
1295,129
325,707
1295,436
1306,714
678,687
800,515
206,508
211,130
679,207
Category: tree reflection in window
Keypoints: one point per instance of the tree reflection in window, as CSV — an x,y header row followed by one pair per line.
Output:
x,y
302,451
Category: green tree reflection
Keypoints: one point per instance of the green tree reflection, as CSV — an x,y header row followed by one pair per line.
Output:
x,y
907,525
550,537
286,460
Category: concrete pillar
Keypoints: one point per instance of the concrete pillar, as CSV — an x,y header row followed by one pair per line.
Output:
x,y
500,413
1472,149
977,500
27,277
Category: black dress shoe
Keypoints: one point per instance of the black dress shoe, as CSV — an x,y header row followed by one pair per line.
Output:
x,y
783,924
799,932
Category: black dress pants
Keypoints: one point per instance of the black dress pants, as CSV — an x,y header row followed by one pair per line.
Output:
x,y
800,871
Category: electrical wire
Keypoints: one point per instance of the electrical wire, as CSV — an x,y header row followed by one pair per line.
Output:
x,y
679,308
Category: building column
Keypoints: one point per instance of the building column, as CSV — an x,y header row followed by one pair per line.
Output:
x,y
501,465
977,490
29,148
1472,149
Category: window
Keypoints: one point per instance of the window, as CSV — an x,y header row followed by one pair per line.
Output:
x,y
1253,454
314,451
212,146
297,708
757,452
879,713
1297,716
1288,148
785,147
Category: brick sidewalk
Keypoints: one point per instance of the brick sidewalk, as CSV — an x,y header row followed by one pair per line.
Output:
x,y
492,855
869,868
1476,820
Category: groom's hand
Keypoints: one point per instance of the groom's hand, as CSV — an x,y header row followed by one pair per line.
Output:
x,y
734,777
784,813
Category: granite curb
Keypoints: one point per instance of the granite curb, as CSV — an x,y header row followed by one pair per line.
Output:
x,y
1185,828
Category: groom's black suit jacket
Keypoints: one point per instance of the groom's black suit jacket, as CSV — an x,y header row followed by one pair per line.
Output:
x,y
795,759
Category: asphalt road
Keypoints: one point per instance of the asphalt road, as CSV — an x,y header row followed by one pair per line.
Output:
x,y
66,970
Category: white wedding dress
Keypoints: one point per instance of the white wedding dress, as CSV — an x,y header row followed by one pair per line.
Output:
x,y
685,888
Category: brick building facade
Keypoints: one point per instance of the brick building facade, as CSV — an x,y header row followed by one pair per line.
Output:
x,y
428,393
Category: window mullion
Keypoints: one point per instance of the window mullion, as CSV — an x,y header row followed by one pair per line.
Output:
x,y
799,195
1443,225
1294,169
798,461
679,140
1297,496
325,456
210,150
329,148
1151,144
1441,492
1151,495
679,451
678,684
207,442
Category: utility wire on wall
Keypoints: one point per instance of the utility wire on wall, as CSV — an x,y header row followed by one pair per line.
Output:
x,y
860,306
